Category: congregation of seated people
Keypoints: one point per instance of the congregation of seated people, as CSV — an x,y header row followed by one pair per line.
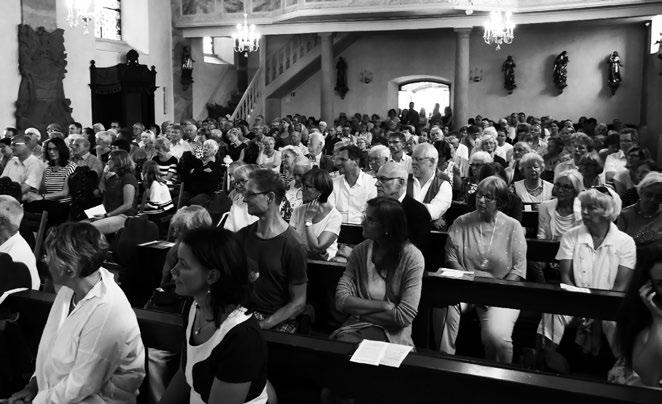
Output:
x,y
248,204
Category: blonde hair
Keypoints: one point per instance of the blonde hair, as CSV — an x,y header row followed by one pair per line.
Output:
x,y
611,202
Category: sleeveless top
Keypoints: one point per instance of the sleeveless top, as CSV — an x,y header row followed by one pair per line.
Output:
x,y
199,353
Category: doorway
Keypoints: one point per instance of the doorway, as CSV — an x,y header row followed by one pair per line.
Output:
x,y
424,94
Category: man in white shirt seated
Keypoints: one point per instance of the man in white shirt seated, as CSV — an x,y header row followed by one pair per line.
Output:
x,y
396,143
353,188
11,241
424,186
615,162
179,146
315,152
24,168
503,149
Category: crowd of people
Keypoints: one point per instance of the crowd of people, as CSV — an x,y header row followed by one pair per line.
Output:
x,y
250,203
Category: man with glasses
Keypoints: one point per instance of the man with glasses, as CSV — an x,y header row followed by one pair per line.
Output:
x,y
352,189
391,182
83,157
276,256
24,168
424,186
396,144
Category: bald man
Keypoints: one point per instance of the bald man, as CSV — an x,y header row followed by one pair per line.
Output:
x,y
392,182
11,241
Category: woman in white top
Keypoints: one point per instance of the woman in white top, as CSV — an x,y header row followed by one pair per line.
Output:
x,y
91,350
532,189
557,216
316,220
593,255
269,157
156,197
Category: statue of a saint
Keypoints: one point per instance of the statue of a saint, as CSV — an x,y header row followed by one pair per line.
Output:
x,y
508,70
561,71
614,72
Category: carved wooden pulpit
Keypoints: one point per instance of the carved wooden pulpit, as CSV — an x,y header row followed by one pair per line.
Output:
x,y
124,92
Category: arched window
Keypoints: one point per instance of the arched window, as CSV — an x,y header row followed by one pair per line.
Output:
x,y
424,94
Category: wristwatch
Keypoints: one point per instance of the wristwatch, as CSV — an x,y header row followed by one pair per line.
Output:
x,y
308,223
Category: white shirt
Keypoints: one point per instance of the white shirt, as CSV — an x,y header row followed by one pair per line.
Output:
x,y
462,151
331,223
93,354
19,251
178,149
440,203
504,151
613,163
28,171
351,200
597,268
404,162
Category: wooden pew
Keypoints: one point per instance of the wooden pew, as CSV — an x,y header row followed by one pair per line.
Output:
x,y
537,250
300,362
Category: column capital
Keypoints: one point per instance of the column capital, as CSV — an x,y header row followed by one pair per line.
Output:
x,y
463,32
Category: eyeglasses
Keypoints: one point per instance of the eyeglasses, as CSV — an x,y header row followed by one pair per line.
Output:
x,y
488,198
17,143
383,179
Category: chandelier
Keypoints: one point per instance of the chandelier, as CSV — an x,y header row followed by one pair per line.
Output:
x,y
499,29
246,39
80,12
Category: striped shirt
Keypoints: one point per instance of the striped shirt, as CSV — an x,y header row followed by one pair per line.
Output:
x,y
167,167
55,176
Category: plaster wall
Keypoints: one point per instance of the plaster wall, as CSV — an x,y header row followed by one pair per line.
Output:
x,y
10,10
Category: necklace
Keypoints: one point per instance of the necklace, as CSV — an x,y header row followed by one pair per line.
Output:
x,y
532,189
197,330
485,261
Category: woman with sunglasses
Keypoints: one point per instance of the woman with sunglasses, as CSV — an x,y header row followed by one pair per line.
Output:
x,y
317,221
595,255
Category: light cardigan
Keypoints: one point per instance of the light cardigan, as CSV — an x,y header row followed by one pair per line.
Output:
x,y
403,288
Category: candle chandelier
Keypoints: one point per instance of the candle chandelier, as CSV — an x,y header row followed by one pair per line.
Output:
x,y
246,38
499,29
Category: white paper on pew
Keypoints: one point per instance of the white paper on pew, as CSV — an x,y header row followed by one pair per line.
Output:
x,y
571,288
97,210
453,273
395,354
528,208
369,352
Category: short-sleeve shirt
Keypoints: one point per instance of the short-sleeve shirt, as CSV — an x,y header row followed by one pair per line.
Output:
x,y
331,223
240,357
597,268
55,176
28,171
113,197
280,261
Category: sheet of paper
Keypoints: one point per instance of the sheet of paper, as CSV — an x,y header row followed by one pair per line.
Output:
x,y
97,210
369,352
571,288
528,208
453,273
395,354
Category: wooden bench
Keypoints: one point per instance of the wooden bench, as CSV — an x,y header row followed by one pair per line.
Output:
x,y
301,363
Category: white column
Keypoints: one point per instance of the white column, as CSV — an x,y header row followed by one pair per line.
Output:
x,y
461,82
326,86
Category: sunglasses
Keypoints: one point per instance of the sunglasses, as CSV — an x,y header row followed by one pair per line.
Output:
x,y
603,189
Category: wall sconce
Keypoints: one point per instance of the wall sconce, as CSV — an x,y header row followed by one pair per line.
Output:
x,y
365,76
475,74
187,67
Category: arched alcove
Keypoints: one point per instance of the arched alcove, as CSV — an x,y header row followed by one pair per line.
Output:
x,y
420,89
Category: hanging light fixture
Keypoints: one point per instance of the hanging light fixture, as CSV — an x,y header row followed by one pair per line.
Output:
x,y
499,29
80,12
246,39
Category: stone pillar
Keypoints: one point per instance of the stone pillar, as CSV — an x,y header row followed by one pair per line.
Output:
x,y
326,111
461,82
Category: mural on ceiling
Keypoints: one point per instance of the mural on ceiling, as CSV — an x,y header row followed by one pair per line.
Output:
x,y
261,6
232,6
191,7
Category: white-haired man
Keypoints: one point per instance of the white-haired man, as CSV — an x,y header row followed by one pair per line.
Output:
x,y
11,241
315,152
377,156
424,186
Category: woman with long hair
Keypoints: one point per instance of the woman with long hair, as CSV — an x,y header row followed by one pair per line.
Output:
x,y
225,359
156,197
381,286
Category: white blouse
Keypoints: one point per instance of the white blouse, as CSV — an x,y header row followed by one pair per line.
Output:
x,y
93,354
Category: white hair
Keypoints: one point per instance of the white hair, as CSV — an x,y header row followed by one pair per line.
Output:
x,y
652,178
529,159
490,131
33,131
316,135
11,214
379,151
426,150
211,143
481,156
611,203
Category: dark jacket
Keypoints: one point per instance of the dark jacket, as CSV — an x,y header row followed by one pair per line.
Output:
x,y
419,225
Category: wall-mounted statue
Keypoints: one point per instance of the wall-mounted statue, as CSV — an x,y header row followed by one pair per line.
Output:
x,y
187,67
341,78
561,71
508,69
614,72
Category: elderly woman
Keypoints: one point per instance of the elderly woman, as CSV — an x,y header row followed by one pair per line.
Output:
x,y
557,216
204,177
488,143
513,170
381,286
288,154
294,190
316,220
581,144
472,246
230,207
90,349
532,189
378,155
166,161
643,220
593,255
147,144
53,194
590,167
470,183
269,157
120,193
225,356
